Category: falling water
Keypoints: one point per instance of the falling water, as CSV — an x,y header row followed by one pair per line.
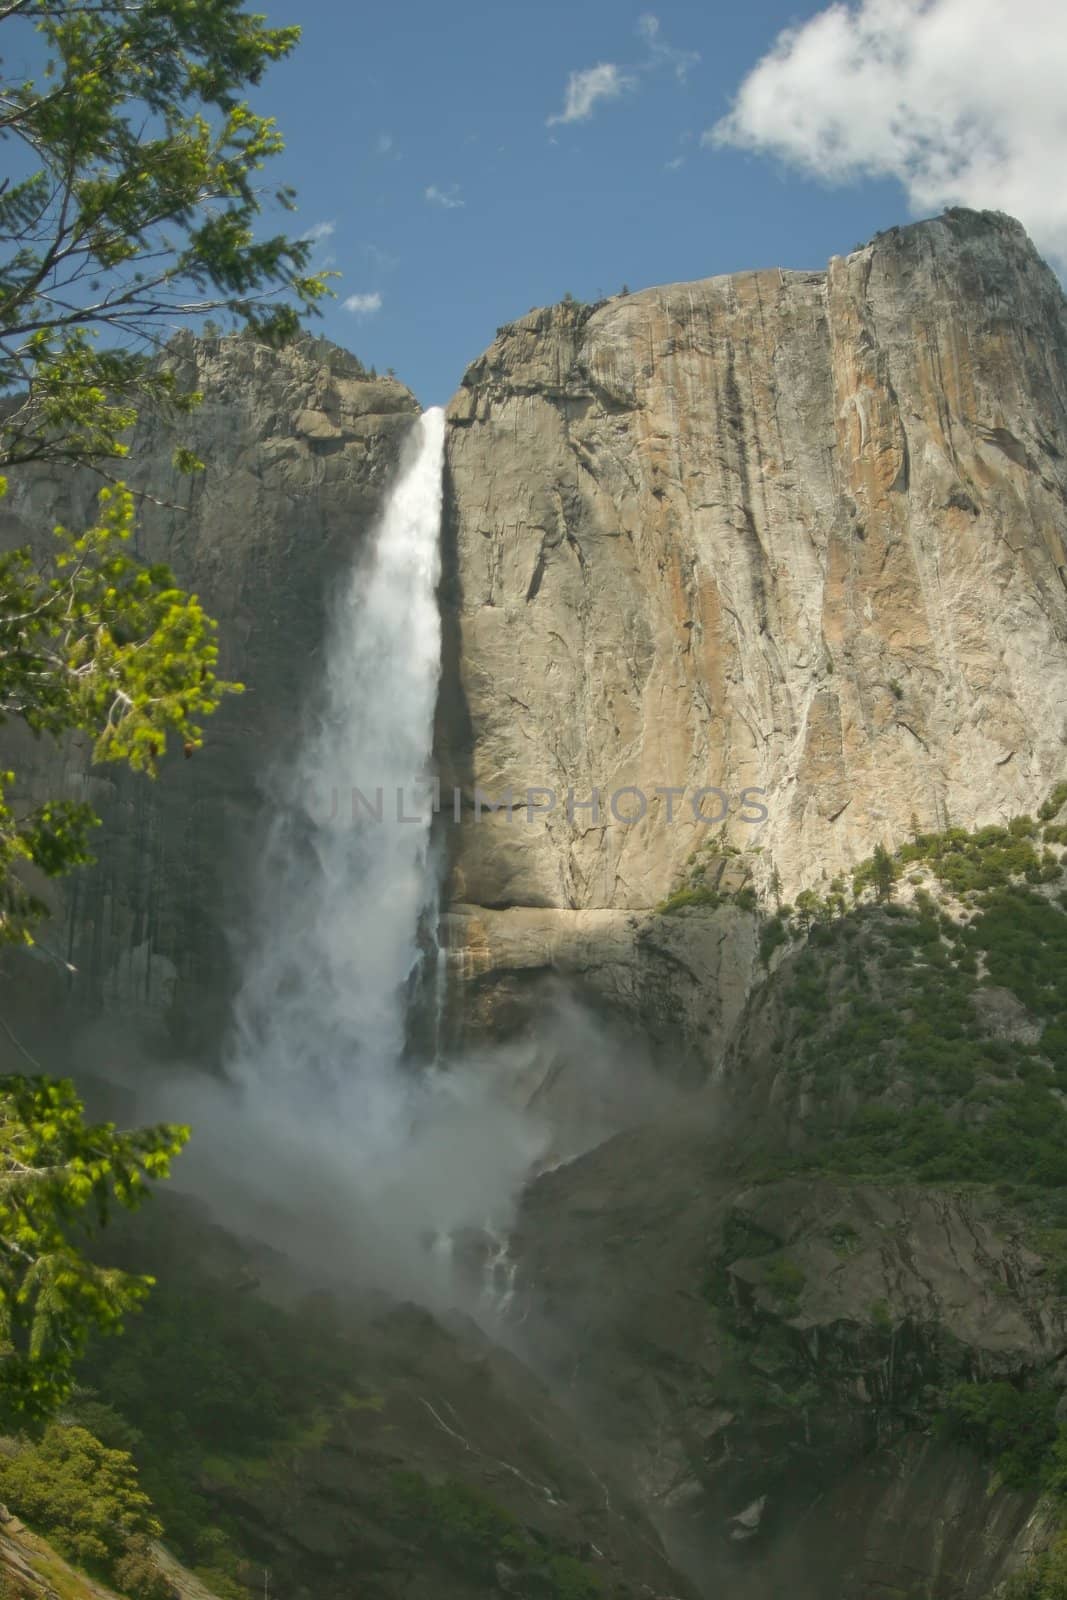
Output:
x,y
499,1272
324,1137
323,1002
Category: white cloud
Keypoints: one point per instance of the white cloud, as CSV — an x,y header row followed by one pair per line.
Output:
x,y
385,144
961,100
607,81
586,89
319,231
661,54
363,305
673,166
450,199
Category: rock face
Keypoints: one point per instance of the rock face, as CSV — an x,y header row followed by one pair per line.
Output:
x,y
411,1458
300,445
786,531
792,540
763,1358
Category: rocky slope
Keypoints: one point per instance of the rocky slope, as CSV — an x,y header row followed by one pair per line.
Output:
x,y
30,1569
394,1454
768,1361
795,532
796,1308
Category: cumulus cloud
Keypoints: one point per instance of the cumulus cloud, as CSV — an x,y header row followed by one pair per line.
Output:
x,y
449,199
363,305
585,91
962,101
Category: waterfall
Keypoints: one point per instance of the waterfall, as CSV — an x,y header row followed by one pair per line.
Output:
x,y
324,1138
499,1273
323,1001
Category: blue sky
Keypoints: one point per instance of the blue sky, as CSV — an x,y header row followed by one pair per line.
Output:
x,y
455,184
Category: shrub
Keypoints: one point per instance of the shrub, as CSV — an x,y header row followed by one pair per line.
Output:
x,y
85,1497
136,1574
773,935
472,1534
1015,1428
1055,802
681,898
1043,1578
785,1280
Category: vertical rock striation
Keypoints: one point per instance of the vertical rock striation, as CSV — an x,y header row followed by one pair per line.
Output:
x,y
794,531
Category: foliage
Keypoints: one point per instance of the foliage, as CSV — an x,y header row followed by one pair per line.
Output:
x,y
203,1389
59,1175
902,1071
880,872
681,899
91,639
1054,803
134,203
785,1281
1043,1578
1014,1427
472,1534
85,1497
1023,1139
773,935
138,206
462,1525
203,1374
137,1574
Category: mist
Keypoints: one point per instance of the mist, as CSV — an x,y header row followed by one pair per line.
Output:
x,y
326,1136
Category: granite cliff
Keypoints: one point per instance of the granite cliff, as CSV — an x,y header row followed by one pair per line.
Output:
x,y
795,534
301,445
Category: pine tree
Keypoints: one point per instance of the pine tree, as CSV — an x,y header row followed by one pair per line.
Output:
x,y
884,872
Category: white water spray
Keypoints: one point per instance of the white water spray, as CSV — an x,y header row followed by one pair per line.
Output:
x,y
323,1004
325,1140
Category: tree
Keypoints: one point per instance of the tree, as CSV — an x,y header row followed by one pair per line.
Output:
x,y
138,208
808,906
92,640
58,1173
883,872
133,202
84,1496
